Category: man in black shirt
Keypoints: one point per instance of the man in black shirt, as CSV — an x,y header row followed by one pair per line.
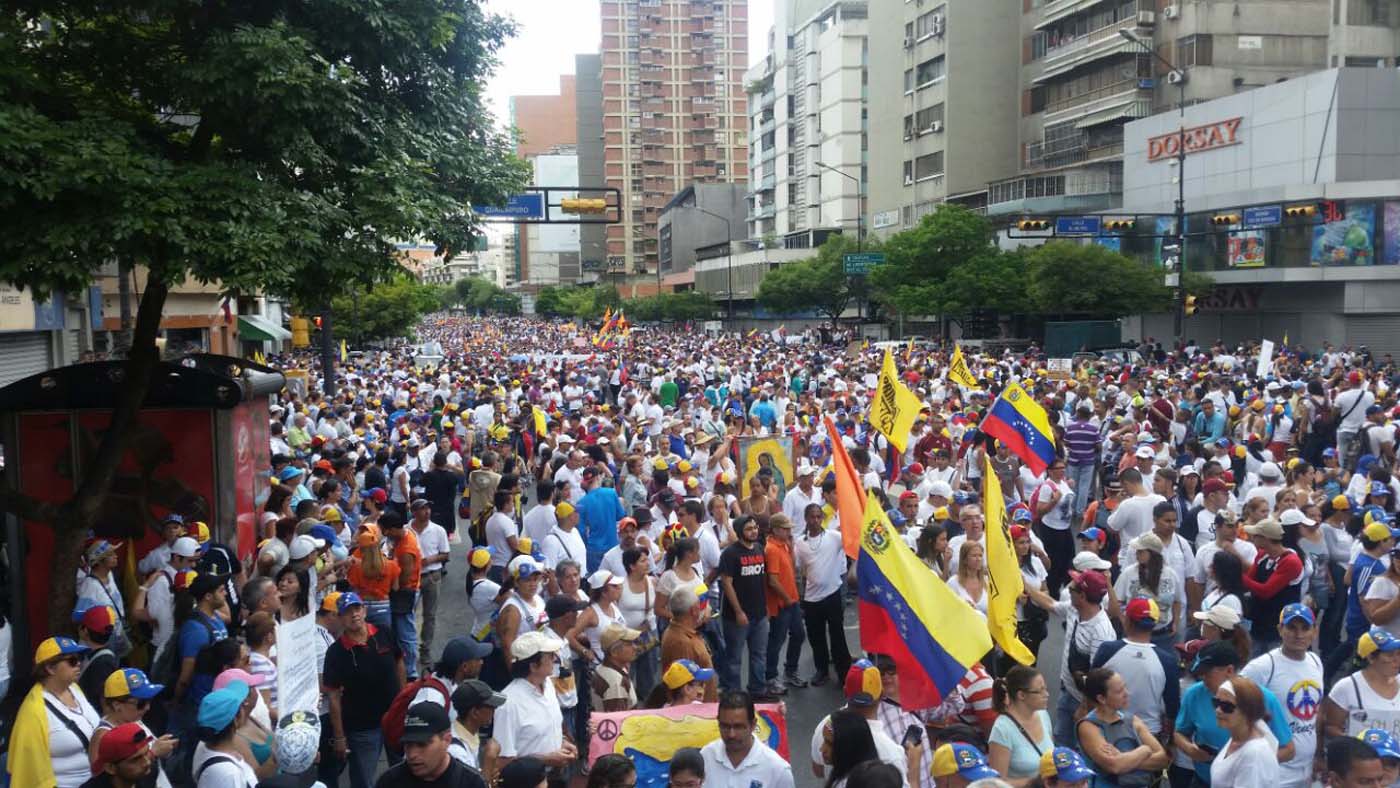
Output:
x,y
743,574
441,486
364,671
374,474
426,762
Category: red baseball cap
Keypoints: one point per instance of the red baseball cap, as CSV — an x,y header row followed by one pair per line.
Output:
x,y
120,743
1019,532
1213,486
1091,582
100,618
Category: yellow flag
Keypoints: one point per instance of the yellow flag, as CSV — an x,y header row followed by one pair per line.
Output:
x,y
344,352
541,426
909,350
895,406
959,373
1004,582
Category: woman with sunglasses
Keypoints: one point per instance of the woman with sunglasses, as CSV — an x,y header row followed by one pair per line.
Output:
x,y
1250,758
127,696
55,723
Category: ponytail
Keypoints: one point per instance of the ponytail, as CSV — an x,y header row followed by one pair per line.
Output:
x,y
1017,680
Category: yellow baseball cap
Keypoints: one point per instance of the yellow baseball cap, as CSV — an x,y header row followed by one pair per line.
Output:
x,y
563,510
480,557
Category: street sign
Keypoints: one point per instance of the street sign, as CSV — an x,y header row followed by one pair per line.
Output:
x,y
1263,216
1078,225
519,206
862,262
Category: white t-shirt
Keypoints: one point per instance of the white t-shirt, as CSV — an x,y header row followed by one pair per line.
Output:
x,y
1062,512
71,766
823,560
499,529
560,545
231,773
1355,696
1086,635
1131,519
889,751
432,541
1169,591
1204,556
761,768
1382,587
530,722
1255,765
1145,679
538,522
1298,686
482,600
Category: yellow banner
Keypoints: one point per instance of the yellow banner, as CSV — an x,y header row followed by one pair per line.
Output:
x,y
895,406
958,371
1004,582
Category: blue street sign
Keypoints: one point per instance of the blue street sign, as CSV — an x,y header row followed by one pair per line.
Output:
x,y
519,206
1077,225
1263,216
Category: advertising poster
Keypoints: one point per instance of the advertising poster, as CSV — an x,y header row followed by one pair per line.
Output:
x,y
1392,234
649,737
1346,236
775,454
1111,242
1245,248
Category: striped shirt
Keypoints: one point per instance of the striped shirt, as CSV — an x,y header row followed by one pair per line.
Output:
x,y
1081,443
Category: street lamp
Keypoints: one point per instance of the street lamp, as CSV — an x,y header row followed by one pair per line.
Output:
x,y
860,222
728,257
1180,172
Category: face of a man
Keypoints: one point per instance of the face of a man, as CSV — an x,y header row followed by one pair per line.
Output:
x,y
1368,773
425,760
736,729
134,768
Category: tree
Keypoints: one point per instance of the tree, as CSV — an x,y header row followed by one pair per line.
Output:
x,y
918,260
387,310
279,147
818,283
992,281
1088,279
679,307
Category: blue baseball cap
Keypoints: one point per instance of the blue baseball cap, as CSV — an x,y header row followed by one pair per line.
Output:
x,y
346,601
289,472
1381,741
219,707
323,531
1380,488
1021,516
1329,453
130,682
1376,639
1297,612
963,760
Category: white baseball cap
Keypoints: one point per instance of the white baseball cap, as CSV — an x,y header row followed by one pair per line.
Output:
x,y
303,546
941,488
1085,560
185,547
1145,453
532,643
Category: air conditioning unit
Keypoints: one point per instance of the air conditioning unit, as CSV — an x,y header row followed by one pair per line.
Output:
x,y
908,136
938,24
909,180
1146,19
1171,12
908,42
935,127
1176,77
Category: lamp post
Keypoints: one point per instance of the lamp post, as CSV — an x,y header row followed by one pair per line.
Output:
x,y
1180,174
860,222
728,259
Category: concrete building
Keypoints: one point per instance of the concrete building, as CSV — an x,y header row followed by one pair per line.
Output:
x,y
674,110
588,99
1326,144
682,228
807,102
36,335
943,123
746,266
547,124
1082,80
1365,34
552,250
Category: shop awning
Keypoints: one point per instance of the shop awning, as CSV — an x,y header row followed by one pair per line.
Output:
x,y
256,328
1134,109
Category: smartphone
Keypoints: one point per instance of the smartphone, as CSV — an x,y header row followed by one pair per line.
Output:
x,y
914,734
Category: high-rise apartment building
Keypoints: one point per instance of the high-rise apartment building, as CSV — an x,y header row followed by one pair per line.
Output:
x,y
548,126
807,122
588,92
942,106
1084,75
1365,33
674,110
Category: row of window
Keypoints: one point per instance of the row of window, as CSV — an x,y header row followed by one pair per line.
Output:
x,y
926,166
925,23
924,74
921,121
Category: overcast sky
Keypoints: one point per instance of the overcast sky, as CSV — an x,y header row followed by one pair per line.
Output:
x,y
551,32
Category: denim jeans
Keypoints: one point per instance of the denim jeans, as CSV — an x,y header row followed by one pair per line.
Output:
x,y
1064,719
787,625
1081,478
646,671
406,631
363,756
737,639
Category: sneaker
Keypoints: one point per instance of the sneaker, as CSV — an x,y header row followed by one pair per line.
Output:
x,y
792,680
775,687
819,680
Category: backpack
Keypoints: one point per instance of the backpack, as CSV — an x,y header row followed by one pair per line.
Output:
x,y
166,668
392,721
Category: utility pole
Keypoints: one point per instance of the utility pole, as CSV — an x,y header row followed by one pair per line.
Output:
x,y
327,352
860,225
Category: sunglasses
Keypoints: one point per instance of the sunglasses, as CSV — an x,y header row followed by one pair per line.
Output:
x,y
74,661
1223,706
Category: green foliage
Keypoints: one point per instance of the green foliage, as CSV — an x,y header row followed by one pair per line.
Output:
x,y
482,295
994,280
582,302
1088,279
386,310
818,283
1197,283
679,307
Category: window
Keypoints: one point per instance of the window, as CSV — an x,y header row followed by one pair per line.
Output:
x,y
926,117
1039,42
908,81
908,126
928,166
1378,13
908,172
908,29
929,23
1193,51
929,71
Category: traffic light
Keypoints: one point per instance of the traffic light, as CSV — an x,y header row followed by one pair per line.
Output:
x,y
1300,211
1033,224
1225,219
1119,223
1189,305
584,205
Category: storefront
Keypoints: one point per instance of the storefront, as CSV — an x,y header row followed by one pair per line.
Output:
x,y
1292,195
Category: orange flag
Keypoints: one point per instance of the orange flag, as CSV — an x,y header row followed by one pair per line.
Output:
x,y
850,494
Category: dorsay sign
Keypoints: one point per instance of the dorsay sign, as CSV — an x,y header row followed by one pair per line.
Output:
x,y
1219,134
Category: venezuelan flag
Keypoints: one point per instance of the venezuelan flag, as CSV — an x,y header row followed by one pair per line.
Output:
x,y
1016,420
904,607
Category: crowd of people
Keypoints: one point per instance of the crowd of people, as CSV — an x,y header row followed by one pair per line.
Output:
x,y
1215,545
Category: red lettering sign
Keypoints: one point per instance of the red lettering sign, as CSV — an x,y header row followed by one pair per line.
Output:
x,y
1219,134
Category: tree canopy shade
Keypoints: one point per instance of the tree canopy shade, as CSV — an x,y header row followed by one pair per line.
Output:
x,y
817,283
1089,279
484,296
274,146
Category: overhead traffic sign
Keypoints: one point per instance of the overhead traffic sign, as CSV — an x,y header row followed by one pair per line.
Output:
x,y
1078,225
519,206
862,262
1263,216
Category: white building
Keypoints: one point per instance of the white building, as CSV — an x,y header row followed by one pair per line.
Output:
x,y
807,105
553,249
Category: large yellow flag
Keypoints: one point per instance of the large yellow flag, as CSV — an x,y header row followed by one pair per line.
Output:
x,y
895,406
1004,574
959,373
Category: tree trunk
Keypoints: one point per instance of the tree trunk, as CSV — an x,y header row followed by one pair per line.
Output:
x,y
327,353
78,515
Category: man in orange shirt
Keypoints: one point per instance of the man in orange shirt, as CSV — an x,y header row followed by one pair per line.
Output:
x,y
784,613
403,547
682,639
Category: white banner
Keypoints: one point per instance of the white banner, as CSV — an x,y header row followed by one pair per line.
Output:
x,y
298,681
1266,359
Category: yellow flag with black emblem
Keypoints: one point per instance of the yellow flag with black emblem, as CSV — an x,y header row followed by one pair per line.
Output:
x,y
895,406
958,371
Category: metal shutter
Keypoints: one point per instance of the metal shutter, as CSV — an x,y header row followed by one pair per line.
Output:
x,y
1379,333
72,345
23,354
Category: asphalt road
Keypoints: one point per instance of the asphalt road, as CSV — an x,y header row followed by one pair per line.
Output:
x,y
805,707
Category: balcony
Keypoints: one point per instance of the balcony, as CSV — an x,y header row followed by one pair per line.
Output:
x,y
1055,10
1127,99
765,211
766,125
767,99
1101,43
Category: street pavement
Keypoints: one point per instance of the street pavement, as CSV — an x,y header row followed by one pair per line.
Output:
x,y
805,707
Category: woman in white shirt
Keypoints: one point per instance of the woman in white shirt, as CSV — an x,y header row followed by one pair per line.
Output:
x,y
1250,759
970,582
69,719
638,612
1374,688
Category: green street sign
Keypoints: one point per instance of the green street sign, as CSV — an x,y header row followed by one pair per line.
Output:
x,y
862,262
